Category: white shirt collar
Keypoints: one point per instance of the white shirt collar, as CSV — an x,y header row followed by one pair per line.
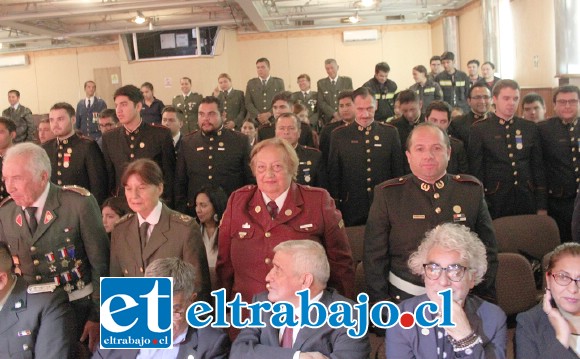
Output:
x,y
186,94
176,138
267,78
279,201
153,217
39,203
15,107
316,298
333,79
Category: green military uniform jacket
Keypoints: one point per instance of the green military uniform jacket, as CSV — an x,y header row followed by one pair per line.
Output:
x,y
22,117
188,106
308,100
259,97
328,96
70,246
234,105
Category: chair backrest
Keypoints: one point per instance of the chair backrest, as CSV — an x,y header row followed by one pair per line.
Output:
x,y
532,234
515,285
356,236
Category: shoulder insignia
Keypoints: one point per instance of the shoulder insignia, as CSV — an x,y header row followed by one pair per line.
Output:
x,y
125,218
246,188
386,124
190,133
311,148
180,217
466,179
478,121
5,200
78,189
394,182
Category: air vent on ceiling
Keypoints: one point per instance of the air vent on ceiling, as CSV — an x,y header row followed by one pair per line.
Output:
x,y
361,35
395,17
15,60
304,22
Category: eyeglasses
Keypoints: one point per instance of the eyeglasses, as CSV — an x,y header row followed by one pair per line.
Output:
x,y
563,279
571,102
482,97
455,272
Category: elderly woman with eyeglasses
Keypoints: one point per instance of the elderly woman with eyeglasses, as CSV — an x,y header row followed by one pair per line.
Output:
x,y
552,328
450,257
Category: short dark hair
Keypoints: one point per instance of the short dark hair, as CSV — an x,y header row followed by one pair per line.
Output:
x,y
502,84
304,76
407,96
531,98
117,204
263,59
285,96
438,106
210,100
344,94
110,113
490,64
330,61
566,89
382,67
6,260
476,85
145,168
448,55
9,124
434,58
131,91
474,61
172,109
89,82
428,124
291,115
16,92
149,85
420,68
186,79
218,198
224,76
363,92
64,106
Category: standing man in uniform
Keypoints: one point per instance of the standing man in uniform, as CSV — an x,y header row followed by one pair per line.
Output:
x,y
473,72
405,208
362,155
328,90
21,116
307,98
439,114
383,90
211,156
479,100
7,135
505,153
310,170
55,233
77,160
435,65
560,138
170,120
137,139
454,83
233,101
533,107
34,322
283,103
187,102
411,116
44,132
88,111
108,120
261,90
346,113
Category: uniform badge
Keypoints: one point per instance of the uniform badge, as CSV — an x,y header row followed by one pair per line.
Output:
x,y
68,288
221,144
19,220
24,333
425,187
258,209
457,209
66,160
242,234
376,138
439,184
309,163
459,217
246,225
142,145
518,132
199,149
306,226
18,304
48,217
519,142
288,212
418,216
69,150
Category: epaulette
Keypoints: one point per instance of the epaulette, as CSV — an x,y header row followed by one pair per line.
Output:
x,y
190,133
341,127
125,218
181,218
264,125
394,182
386,124
5,200
78,189
311,148
246,188
480,120
159,126
41,288
466,179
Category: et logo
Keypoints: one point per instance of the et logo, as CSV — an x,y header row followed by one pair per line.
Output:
x,y
136,313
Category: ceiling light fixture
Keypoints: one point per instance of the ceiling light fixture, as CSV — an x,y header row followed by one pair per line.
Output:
x,y
354,19
139,19
367,3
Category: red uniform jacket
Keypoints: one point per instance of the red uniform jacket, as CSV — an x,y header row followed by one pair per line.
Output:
x,y
248,235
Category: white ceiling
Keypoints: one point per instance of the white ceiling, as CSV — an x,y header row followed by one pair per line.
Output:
x,y
43,24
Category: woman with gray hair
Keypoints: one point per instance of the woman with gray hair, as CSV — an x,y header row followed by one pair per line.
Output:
x,y
451,257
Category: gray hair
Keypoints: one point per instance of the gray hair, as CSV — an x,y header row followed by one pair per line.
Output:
x,y
453,237
36,156
308,257
183,274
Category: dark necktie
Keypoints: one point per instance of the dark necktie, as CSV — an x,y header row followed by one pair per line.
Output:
x,y
32,223
333,82
88,103
263,82
287,338
143,233
272,209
